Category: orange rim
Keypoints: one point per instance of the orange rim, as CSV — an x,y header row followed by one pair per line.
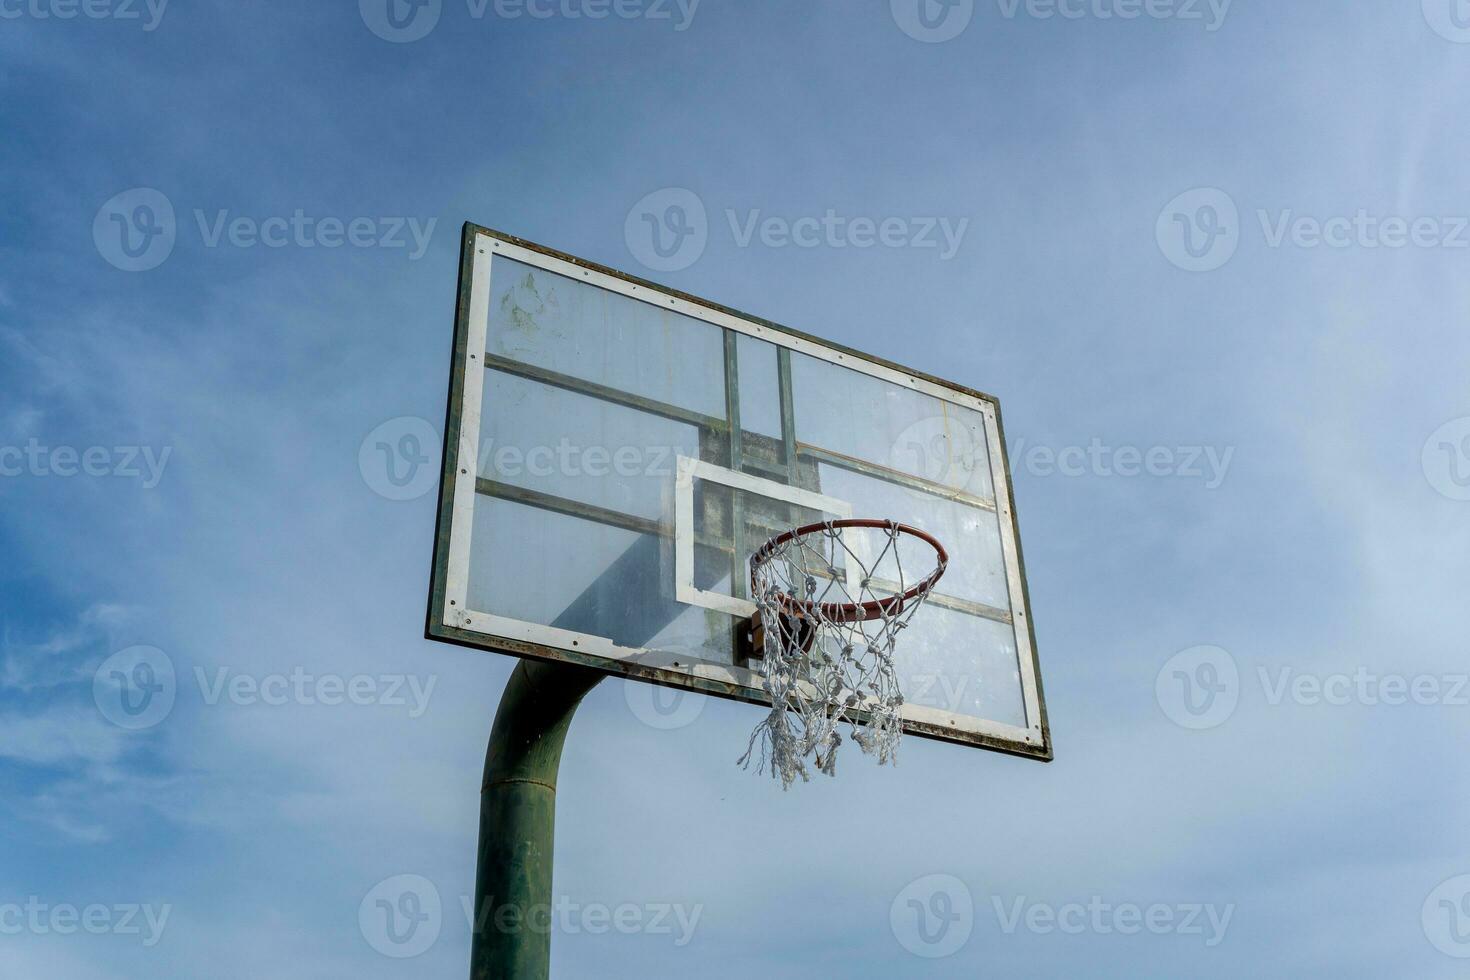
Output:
x,y
850,612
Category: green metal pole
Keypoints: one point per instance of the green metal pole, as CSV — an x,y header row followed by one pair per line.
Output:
x,y
512,925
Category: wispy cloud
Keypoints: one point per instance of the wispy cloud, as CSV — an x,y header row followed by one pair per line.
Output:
x,y
63,656
264,552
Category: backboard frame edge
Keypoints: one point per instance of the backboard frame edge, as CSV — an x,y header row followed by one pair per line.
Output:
x,y
437,629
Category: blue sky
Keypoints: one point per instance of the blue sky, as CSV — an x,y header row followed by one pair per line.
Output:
x,y
1179,234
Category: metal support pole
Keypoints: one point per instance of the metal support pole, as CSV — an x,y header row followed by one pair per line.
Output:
x,y
512,927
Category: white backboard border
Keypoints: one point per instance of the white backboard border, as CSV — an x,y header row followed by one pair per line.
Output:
x,y
450,619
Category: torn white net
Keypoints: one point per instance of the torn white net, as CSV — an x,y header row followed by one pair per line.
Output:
x,y
831,626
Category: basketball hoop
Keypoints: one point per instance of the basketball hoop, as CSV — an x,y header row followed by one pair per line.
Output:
x,y
826,627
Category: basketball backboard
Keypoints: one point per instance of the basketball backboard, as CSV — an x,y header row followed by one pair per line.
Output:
x,y
615,451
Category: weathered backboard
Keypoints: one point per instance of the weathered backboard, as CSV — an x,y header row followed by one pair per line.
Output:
x,y
615,451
